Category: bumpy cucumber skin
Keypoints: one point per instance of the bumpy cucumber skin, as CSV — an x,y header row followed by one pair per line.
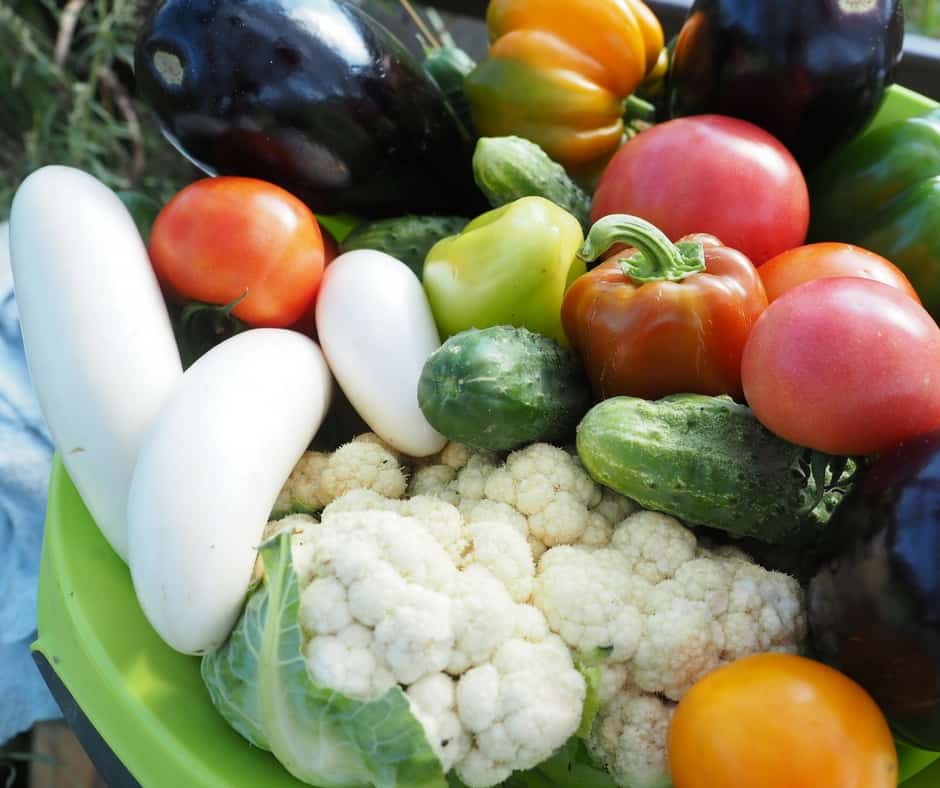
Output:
x,y
406,238
706,461
503,387
509,168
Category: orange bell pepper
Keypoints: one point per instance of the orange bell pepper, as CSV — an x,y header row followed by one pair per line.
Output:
x,y
559,71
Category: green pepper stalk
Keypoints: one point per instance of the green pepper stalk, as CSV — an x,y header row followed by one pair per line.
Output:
x,y
510,266
657,258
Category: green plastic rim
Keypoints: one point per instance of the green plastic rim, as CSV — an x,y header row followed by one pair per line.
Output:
x,y
148,702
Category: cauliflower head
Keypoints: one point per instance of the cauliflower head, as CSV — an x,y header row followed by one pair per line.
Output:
x,y
484,587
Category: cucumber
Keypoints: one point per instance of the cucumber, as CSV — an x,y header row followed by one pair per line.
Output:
x,y
502,387
406,238
448,66
509,168
708,461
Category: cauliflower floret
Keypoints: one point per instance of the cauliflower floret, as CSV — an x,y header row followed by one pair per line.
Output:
x,y
416,637
484,618
550,487
375,440
521,706
588,598
366,463
442,521
765,612
362,465
629,738
476,511
456,455
302,488
530,623
655,545
349,663
433,701
545,485
438,517
436,480
505,552
360,500
681,644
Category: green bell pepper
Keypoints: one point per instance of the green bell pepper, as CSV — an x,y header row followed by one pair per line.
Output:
x,y
510,266
882,192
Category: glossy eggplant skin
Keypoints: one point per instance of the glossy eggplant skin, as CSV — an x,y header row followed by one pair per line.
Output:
x,y
811,72
874,603
313,95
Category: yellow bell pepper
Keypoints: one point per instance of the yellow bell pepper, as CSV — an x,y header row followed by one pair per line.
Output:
x,y
509,267
559,71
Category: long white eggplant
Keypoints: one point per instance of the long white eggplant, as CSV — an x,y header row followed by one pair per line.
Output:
x,y
208,474
98,338
377,331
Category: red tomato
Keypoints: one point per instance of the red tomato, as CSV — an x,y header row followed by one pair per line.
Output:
x,y
780,721
845,366
818,261
710,174
221,237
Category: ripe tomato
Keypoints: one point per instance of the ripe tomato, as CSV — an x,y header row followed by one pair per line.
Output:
x,y
710,174
780,721
818,261
220,237
845,366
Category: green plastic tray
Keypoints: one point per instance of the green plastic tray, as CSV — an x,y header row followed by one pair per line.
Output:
x,y
146,701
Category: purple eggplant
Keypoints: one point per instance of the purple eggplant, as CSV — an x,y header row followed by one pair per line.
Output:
x,y
811,72
874,602
313,95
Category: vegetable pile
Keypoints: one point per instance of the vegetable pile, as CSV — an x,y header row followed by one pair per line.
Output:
x,y
495,423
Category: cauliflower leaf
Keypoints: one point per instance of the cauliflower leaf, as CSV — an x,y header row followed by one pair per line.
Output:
x,y
259,682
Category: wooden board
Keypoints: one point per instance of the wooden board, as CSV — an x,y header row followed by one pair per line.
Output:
x,y
60,761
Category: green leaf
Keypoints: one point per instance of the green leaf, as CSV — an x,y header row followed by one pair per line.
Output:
x,y
259,682
571,767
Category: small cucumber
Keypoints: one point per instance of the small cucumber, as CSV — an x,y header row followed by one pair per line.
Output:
x,y
708,461
509,168
448,66
406,238
502,387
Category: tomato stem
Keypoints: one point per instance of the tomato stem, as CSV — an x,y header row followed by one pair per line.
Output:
x,y
657,257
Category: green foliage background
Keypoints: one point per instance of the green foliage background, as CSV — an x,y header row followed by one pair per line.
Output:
x,y
66,94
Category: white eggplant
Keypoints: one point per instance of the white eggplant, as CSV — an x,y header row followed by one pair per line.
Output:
x,y
377,331
99,343
208,474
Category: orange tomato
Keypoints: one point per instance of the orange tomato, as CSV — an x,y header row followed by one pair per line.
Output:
x,y
223,238
780,721
823,260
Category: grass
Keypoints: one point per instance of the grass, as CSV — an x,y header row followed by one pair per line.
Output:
x,y
923,16
66,97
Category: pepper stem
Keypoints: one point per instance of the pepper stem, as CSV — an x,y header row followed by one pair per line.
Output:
x,y
657,257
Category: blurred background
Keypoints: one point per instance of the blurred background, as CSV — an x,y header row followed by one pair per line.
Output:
x,y
67,97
